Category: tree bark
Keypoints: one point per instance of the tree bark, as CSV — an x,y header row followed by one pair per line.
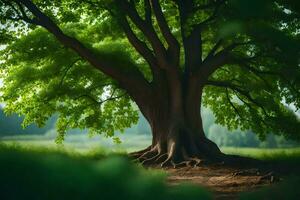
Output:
x,y
175,119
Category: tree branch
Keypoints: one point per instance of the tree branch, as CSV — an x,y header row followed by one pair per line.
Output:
x,y
215,61
253,109
192,40
165,29
214,49
236,88
102,101
232,105
67,70
148,31
12,7
25,16
148,13
112,98
19,14
244,63
139,45
104,64
87,96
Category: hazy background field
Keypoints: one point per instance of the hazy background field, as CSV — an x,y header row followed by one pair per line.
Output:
x,y
134,138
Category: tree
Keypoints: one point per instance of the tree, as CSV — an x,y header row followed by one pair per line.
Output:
x,y
12,126
88,60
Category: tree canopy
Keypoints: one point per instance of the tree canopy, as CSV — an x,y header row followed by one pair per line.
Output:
x,y
248,49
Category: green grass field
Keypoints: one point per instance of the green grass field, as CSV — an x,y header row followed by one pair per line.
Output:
x,y
275,154
82,143
83,168
29,172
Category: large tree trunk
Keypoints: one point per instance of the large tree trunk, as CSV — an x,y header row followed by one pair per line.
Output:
x,y
175,119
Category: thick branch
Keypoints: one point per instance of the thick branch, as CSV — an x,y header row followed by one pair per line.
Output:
x,y
192,40
215,61
114,70
139,45
148,31
209,66
148,13
165,29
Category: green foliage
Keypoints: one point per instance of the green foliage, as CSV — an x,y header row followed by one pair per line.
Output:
x,y
38,84
263,76
42,78
54,175
238,138
12,126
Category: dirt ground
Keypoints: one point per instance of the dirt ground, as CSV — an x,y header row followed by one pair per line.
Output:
x,y
224,182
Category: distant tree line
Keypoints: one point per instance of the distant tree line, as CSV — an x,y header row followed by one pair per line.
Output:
x,y
237,138
11,125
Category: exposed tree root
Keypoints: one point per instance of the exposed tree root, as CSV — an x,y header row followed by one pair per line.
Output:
x,y
172,158
137,154
179,152
147,154
161,158
190,162
179,158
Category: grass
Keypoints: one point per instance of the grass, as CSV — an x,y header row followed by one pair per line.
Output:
x,y
82,143
263,153
131,142
287,156
40,169
45,173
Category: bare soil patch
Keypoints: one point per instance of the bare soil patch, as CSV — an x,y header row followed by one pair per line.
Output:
x,y
224,182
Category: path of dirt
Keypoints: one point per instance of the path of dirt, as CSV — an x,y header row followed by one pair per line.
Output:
x,y
224,182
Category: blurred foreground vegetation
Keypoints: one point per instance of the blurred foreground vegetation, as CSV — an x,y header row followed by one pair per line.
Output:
x,y
35,173
31,172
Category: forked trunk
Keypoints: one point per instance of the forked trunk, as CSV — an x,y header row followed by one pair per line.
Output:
x,y
178,136
175,141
